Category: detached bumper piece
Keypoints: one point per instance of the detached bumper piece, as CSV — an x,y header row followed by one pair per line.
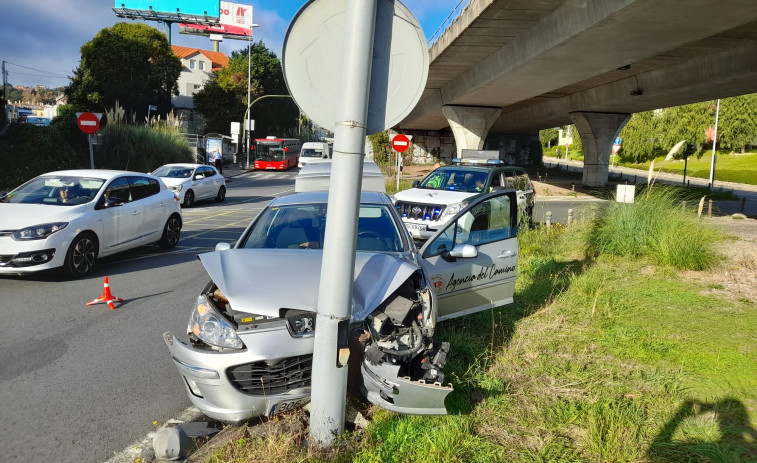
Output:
x,y
402,394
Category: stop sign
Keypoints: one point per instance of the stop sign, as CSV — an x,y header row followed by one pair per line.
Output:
x,y
88,123
400,143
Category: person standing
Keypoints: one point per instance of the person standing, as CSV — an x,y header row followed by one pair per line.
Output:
x,y
218,160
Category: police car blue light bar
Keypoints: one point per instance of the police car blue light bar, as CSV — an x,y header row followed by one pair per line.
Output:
x,y
464,161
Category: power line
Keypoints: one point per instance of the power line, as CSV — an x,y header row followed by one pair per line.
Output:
x,y
38,70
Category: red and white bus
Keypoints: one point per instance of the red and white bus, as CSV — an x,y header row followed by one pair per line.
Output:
x,y
276,153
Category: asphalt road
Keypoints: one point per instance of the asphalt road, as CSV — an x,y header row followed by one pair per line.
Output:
x,y
80,383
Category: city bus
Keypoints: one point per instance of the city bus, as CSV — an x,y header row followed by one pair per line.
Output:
x,y
276,153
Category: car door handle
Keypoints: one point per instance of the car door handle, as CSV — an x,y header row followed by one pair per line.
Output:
x,y
507,254
135,212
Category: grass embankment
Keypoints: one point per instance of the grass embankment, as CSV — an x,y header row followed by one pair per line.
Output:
x,y
729,166
609,354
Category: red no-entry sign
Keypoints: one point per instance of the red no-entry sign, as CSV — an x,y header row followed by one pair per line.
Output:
x,y
88,123
400,143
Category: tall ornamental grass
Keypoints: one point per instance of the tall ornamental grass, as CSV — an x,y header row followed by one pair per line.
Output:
x,y
140,148
659,226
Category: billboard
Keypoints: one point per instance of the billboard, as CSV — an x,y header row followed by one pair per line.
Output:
x,y
235,23
227,32
235,14
176,8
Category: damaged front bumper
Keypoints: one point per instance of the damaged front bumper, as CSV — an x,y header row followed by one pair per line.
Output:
x,y
234,386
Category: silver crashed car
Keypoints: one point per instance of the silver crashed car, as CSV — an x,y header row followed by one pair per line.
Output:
x,y
250,335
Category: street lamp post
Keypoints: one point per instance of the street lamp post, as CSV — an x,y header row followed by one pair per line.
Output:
x,y
246,114
249,77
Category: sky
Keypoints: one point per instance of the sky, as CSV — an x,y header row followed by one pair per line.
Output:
x,y
40,40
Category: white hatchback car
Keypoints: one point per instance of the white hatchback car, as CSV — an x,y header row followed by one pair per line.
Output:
x,y
69,218
193,182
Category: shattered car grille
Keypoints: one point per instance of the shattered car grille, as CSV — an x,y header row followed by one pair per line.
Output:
x,y
260,378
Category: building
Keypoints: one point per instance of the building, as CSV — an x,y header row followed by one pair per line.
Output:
x,y
197,65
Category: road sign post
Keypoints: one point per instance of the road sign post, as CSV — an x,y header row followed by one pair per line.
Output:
x,y
400,144
368,39
89,123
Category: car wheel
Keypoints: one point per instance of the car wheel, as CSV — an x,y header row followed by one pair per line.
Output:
x,y
189,198
81,255
221,194
171,232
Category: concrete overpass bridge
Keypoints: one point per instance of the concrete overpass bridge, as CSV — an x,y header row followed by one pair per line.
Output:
x,y
505,69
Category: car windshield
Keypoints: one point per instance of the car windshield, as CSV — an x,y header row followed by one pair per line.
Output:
x,y
173,172
311,153
302,226
56,190
455,179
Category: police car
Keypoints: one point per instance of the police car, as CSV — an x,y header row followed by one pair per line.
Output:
x,y
433,201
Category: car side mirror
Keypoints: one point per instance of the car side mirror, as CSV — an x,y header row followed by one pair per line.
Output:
x,y
113,202
416,183
199,177
464,251
223,246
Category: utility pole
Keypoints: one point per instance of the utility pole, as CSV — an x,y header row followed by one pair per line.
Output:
x,y
714,142
5,83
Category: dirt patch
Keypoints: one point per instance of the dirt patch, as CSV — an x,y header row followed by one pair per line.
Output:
x,y
736,276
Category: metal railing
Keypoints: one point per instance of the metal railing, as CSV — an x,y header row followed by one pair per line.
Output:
x,y
447,21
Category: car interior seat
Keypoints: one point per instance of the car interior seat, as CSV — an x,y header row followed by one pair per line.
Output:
x,y
300,228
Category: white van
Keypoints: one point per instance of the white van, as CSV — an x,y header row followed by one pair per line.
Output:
x,y
316,175
313,150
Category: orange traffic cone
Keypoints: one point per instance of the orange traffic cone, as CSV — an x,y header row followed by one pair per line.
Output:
x,y
107,297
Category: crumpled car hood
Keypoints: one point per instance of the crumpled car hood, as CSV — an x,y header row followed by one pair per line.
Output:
x,y
262,281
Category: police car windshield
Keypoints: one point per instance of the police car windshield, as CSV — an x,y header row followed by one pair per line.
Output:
x,y
455,179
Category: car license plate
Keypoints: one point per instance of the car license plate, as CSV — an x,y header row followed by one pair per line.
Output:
x,y
416,226
269,167
287,405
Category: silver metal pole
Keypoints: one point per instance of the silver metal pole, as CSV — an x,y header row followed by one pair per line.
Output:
x,y
246,114
329,386
90,138
714,142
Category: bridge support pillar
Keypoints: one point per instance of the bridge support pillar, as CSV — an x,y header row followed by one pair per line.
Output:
x,y
598,131
470,125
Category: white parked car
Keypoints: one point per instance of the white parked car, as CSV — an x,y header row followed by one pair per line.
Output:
x,y
249,343
68,219
193,182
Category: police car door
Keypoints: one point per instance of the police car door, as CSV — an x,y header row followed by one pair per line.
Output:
x,y
472,263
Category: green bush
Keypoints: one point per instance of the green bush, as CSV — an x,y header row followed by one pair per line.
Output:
x,y
27,151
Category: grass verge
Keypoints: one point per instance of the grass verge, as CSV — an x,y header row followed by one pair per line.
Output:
x,y
613,358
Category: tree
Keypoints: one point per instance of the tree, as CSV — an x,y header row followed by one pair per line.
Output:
x,y
547,136
640,137
223,99
737,124
129,63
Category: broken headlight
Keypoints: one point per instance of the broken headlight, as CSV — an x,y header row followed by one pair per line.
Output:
x,y
211,327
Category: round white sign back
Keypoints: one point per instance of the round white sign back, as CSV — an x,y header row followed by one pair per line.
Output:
x,y
314,48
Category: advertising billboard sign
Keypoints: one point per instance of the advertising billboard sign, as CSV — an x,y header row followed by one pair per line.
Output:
x,y
227,32
185,7
235,23
235,14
